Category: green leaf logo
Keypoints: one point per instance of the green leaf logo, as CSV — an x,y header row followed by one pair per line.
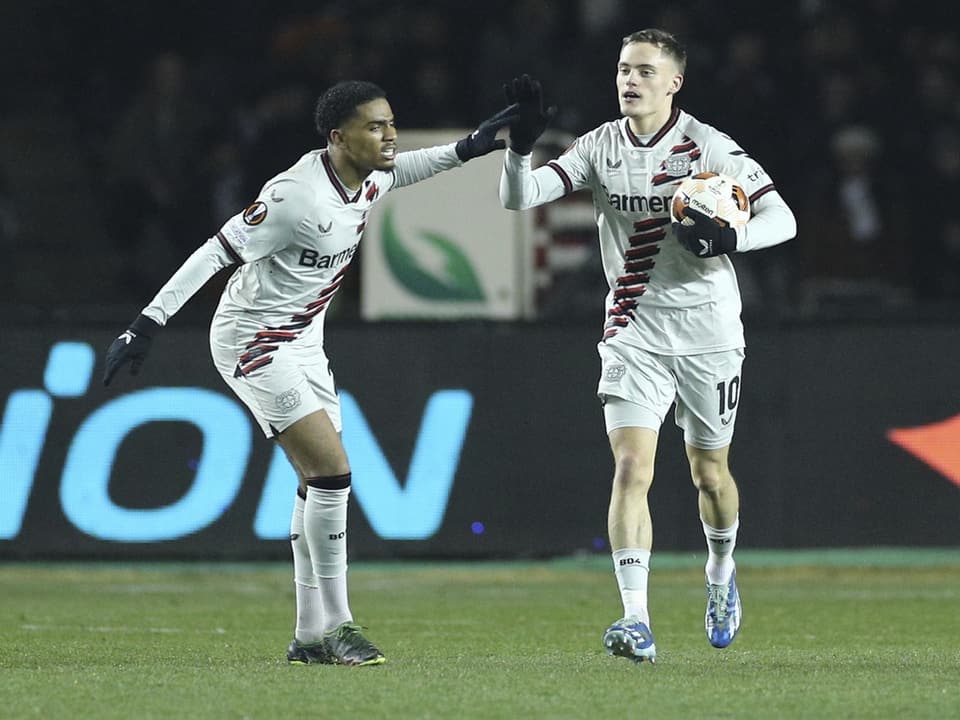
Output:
x,y
437,269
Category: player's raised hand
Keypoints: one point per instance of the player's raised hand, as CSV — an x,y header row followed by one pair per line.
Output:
x,y
533,118
484,139
706,237
131,346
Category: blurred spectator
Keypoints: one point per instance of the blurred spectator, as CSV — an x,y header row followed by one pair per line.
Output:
x,y
227,181
274,131
854,253
154,202
191,139
515,42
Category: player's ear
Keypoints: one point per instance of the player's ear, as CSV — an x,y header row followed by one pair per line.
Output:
x,y
675,84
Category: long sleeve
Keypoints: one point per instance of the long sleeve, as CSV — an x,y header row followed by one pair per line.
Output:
x,y
773,222
416,165
522,188
196,270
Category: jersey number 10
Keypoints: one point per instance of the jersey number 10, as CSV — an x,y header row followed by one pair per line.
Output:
x,y
729,394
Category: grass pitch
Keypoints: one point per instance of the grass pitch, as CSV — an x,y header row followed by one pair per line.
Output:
x,y
865,634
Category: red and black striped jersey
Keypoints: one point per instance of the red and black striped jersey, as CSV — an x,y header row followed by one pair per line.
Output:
x,y
661,297
292,248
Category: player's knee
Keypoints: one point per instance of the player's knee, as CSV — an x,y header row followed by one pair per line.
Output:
x,y
311,462
633,472
710,475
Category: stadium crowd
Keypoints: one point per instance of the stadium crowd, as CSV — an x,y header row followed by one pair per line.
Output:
x,y
167,120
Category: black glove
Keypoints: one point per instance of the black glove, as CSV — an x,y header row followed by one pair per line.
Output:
x,y
132,346
484,139
705,238
533,118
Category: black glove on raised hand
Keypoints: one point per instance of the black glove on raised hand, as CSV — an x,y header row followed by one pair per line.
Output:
x,y
484,139
132,346
705,238
533,118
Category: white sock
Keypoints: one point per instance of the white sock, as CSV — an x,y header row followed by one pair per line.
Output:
x,y
333,590
309,614
325,526
309,627
720,546
632,568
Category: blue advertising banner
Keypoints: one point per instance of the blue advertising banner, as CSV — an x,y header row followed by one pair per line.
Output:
x,y
468,440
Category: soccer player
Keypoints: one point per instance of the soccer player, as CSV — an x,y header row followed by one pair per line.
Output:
x,y
672,331
291,248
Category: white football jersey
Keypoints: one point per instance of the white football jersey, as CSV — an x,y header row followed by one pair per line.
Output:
x,y
662,298
292,246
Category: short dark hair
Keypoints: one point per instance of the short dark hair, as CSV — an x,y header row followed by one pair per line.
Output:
x,y
339,102
662,39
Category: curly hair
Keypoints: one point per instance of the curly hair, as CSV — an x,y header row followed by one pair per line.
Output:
x,y
339,102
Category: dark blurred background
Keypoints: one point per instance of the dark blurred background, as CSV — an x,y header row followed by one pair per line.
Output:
x,y
132,131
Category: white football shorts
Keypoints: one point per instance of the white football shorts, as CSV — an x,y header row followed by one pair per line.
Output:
x,y
638,387
296,382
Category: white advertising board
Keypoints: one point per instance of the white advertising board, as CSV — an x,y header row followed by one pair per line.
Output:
x,y
444,248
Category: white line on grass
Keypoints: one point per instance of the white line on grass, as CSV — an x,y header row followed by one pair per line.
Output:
x,y
117,629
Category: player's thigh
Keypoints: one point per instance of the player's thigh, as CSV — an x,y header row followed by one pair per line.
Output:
x,y
291,386
634,452
708,396
635,387
313,446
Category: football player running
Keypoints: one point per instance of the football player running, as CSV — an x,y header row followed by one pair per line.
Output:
x,y
672,331
291,248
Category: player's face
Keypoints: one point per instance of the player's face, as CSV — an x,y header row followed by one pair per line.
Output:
x,y
646,82
368,140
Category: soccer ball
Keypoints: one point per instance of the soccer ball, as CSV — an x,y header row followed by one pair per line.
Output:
x,y
717,196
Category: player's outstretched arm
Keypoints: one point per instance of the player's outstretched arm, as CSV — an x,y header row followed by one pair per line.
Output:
x,y
416,165
133,344
532,117
484,140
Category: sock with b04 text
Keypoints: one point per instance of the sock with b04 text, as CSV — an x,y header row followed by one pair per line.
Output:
x,y
325,524
632,568
720,546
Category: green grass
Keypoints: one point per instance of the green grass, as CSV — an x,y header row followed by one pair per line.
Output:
x,y
826,635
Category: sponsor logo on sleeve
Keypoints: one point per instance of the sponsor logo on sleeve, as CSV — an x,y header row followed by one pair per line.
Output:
x,y
235,234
